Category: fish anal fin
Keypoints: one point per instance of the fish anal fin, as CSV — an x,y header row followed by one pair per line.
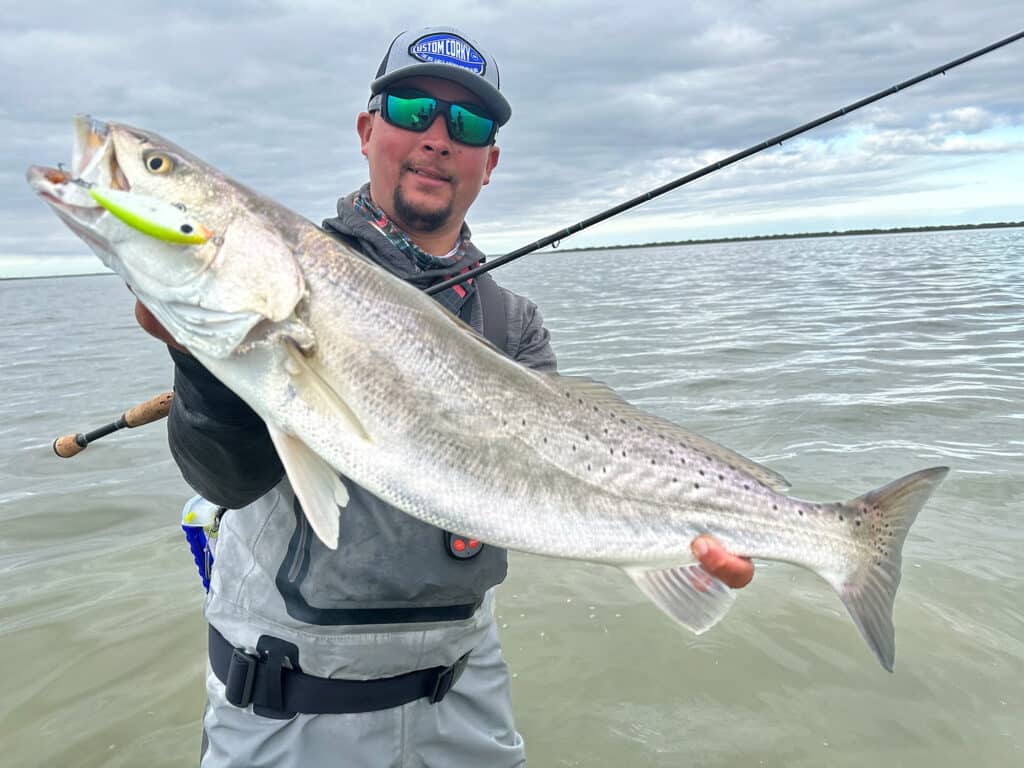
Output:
x,y
688,594
316,484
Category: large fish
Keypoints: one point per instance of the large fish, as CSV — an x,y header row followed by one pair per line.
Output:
x,y
357,372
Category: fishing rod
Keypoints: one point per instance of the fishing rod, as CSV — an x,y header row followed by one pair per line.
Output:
x,y
709,169
153,409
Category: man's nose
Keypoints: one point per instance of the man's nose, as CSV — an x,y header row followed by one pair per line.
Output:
x,y
436,138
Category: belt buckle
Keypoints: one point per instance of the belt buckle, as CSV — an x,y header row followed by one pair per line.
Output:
x,y
240,677
447,678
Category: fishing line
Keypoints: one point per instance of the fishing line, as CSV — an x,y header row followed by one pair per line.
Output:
x,y
709,169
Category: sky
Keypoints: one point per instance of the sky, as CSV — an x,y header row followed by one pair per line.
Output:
x,y
609,100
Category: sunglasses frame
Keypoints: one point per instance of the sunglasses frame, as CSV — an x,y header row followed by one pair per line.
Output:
x,y
378,103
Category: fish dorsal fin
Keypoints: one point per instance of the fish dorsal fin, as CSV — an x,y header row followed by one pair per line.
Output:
x,y
604,397
688,594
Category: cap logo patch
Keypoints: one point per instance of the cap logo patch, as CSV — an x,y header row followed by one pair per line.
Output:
x,y
446,48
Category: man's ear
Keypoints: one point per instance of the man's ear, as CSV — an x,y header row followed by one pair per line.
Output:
x,y
364,127
492,160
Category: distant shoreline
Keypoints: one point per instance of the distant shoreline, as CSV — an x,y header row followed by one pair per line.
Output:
x,y
49,277
706,241
803,235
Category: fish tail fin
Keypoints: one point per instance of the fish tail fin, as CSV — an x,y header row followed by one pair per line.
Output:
x,y
868,588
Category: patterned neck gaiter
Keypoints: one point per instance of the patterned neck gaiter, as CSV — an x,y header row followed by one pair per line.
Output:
x,y
453,298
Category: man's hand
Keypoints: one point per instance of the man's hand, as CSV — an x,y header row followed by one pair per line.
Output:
x,y
735,571
152,326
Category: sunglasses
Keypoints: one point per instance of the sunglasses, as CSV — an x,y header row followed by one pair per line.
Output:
x,y
415,111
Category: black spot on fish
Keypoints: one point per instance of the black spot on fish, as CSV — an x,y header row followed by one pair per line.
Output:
x,y
696,485
800,512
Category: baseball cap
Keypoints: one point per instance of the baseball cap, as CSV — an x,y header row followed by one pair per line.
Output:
x,y
449,54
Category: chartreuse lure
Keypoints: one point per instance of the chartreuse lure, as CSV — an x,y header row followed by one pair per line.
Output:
x,y
152,216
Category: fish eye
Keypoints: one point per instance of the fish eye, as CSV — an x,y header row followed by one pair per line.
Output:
x,y
158,162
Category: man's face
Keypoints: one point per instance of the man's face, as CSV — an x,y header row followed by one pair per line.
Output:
x,y
425,182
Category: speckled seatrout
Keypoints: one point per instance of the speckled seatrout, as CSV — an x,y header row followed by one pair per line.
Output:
x,y
357,372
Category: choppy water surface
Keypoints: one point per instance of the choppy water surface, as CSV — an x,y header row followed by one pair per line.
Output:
x,y
842,363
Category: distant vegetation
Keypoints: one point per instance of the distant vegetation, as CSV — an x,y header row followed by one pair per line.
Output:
x,y
799,235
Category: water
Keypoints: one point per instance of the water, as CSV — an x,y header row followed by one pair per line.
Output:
x,y
842,363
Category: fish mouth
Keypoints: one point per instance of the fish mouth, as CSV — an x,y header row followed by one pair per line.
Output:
x,y
93,163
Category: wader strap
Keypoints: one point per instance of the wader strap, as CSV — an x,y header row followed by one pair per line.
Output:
x,y
266,683
492,309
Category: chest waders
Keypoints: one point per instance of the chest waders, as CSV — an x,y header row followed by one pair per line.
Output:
x,y
269,677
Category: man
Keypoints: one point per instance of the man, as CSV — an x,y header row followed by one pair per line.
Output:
x,y
384,652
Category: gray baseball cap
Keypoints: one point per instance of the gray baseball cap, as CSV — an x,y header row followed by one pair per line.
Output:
x,y
449,54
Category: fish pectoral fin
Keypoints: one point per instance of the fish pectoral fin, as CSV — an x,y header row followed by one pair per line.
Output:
x,y
317,392
688,594
317,485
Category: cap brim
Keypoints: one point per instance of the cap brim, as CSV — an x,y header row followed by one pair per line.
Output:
x,y
489,96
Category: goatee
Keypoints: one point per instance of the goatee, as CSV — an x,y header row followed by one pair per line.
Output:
x,y
417,219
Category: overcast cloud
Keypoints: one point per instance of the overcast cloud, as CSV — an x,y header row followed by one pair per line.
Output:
x,y
609,100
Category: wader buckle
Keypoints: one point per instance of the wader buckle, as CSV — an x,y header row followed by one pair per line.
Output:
x,y
447,678
241,675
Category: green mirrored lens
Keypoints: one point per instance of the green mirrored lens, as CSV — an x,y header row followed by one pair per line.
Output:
x,y
468,127
414,113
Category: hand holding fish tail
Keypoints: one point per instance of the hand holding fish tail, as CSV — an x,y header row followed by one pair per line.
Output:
x,y
735,572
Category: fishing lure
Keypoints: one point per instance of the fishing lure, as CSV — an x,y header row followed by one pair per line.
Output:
x,y
151,216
